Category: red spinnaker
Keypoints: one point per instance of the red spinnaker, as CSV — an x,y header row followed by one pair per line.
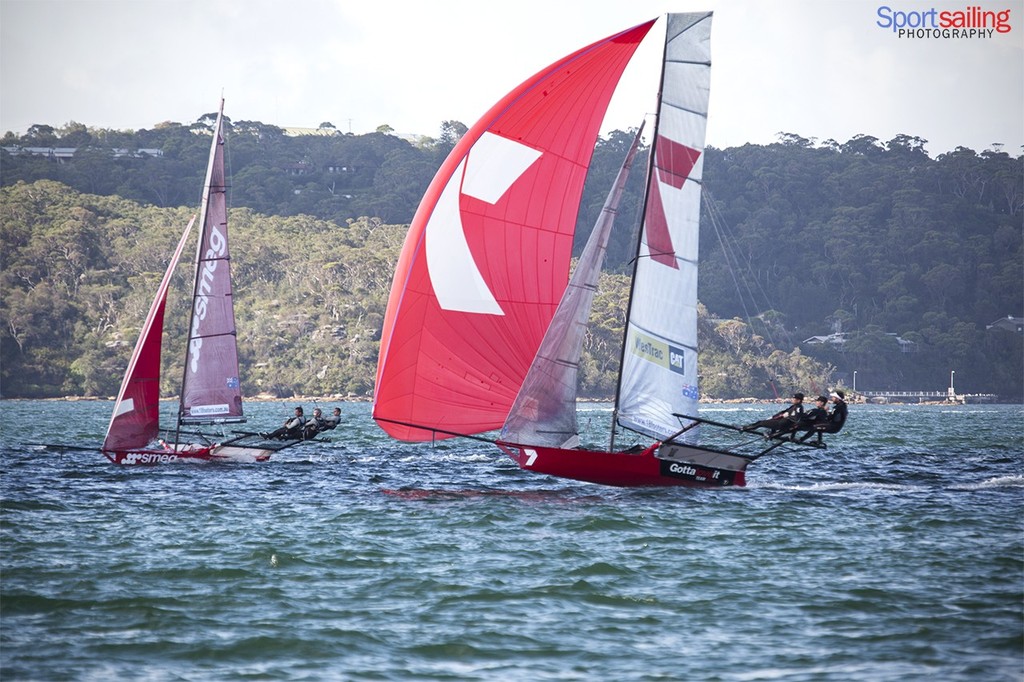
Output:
x,y
486,258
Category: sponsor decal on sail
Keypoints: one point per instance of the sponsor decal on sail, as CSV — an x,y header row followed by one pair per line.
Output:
x,y
207,410
218,246
658,352
489,169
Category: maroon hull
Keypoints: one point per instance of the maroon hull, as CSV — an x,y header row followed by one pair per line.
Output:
x,y
189,453
142,457
658,465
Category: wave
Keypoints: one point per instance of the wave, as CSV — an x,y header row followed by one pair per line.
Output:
x,y
1015,481
994,482
839,485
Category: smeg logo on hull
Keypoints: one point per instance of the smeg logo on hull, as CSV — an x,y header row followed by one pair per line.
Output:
x,y
148,458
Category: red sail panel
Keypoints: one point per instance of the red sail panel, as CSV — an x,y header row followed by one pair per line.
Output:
x,y
211,391
672,164
486,258
136,418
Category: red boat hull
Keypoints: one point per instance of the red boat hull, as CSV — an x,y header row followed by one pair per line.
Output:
x,y
658,465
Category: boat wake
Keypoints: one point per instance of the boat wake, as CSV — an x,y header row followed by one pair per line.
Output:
x,y
838,486
468,494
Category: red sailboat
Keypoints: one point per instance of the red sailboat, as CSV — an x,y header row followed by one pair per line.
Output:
x,y
211,392
483,331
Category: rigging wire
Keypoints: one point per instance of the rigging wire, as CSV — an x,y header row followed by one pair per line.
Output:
x,y
758,300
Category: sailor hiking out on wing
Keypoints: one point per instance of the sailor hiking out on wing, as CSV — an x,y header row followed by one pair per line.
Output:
x,y
313,425
836,418
811,419
783,421
332,421
292,428
318,423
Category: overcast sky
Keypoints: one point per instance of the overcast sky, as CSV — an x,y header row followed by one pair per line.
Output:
x,y
817,68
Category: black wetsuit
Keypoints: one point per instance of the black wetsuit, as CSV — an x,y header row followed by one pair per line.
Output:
x,y
818,415
832,424
836,418
782,421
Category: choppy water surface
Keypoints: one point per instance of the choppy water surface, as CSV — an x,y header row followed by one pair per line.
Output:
x,y
896,554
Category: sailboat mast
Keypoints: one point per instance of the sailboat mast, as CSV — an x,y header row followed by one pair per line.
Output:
x,y
198,263
639,240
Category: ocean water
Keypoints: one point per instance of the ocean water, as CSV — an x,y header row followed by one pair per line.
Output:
x,y
896,554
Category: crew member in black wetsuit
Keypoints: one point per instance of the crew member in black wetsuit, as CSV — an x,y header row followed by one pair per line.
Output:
x,y
782,421
817,415
836,418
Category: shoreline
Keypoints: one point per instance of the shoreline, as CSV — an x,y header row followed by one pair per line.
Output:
x,y
355,399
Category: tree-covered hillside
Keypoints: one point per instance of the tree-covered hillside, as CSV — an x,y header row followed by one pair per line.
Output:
x,y
79,272
909,257
330,175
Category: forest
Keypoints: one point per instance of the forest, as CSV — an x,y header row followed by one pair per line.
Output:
x,y
898,262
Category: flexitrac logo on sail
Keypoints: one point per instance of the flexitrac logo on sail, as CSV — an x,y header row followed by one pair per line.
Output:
x,y
971,23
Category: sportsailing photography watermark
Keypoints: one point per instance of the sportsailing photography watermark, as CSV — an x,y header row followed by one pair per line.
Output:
x,y
970,23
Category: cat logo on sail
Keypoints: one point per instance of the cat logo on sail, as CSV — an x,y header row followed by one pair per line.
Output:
x,y
660,353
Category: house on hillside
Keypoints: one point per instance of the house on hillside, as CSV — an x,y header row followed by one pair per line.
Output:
x,y
58,154
838,340
1009,324
64,154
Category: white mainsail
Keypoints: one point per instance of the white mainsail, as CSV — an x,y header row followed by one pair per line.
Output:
x,y
658,377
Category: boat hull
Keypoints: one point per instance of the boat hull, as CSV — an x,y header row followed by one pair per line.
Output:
x,y
235,453
658,465
189,453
